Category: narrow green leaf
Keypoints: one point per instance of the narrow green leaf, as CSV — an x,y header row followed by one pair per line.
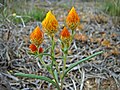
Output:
x,y
36,77
49,68
46,49
76,63
56,75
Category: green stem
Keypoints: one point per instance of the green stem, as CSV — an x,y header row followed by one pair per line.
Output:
x,y
64,67
73,33
54,62
53,54
53,46
57,83
64,61
40,60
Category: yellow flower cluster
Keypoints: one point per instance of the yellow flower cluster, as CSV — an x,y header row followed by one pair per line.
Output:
x,y
50,26
36,36
72,19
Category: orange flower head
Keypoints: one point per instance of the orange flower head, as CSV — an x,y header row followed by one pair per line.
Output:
x,y
50,24
33,48
36,36
40,50
65,36
65,33
72,19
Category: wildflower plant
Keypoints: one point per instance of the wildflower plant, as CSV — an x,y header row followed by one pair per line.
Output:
x,y
50,27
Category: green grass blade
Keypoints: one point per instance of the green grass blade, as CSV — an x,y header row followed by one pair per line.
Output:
x,y
36,77
76,63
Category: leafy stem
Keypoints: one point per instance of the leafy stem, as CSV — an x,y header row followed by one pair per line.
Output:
x,y
65,53
54,62
53,53
53,74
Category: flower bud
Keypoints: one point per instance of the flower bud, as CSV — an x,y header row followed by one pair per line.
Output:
x,y
40,50
65,37
50,24
33,48
36,36
72,19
